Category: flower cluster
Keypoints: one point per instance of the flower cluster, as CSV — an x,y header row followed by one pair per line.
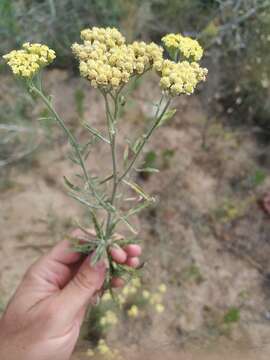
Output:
x,y
146,56
189,48
109,318
107,61
29,60
182,77
105,351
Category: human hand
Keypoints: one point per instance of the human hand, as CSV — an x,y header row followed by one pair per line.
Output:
x,y
43,319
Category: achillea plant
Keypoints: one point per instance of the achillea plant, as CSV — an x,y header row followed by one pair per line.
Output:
x,y
109,64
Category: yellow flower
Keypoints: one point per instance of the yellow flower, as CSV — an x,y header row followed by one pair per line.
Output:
x,y
103,321
188,47
29,60
106,61
181,78
136,282
103,348
111,317
107,297
171,40
159,308
133,311
146,294
162,288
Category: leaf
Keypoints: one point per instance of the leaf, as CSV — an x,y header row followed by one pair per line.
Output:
x,y
135,147
106,179
138,189
127,223
96,133
166,117
73,159
71,186
148,169
150,159
84,202
258,178
138,208
98,228
232,316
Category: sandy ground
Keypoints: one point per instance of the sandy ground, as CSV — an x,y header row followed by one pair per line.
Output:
x,y
206,238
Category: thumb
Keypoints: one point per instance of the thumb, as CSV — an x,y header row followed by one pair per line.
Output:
x,y
79,291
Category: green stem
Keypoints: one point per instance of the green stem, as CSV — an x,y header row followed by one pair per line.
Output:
x,y
145,138
111,122
72,141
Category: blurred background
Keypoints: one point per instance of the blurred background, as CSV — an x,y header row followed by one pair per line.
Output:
x,y
207,238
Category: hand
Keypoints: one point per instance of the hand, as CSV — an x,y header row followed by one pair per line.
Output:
x,y
43,319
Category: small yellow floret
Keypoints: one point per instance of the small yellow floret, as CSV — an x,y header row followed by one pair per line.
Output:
x,y
133,311
159,308
146,294
103,348
162,288
107,297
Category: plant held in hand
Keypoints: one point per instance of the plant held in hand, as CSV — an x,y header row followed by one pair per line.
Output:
x,y
109,64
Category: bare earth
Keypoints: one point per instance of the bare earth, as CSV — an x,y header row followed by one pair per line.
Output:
x,y
212,259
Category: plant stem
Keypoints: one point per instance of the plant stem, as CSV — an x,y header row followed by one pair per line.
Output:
x,y
145,138
111,122
72,141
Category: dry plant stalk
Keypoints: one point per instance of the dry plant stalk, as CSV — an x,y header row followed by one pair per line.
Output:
x,y
109,64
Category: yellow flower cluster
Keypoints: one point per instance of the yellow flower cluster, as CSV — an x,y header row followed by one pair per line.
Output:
x,y
182,77
105,351
109,318
29,60
106,61
188,47
133,311
146,56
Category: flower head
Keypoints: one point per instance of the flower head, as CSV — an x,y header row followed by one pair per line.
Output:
x,y
159,308
133,311
104,58
29,60
189,48
181,78
107,61
162,288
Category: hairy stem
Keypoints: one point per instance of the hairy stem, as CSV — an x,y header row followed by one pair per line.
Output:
x,y
72,141
145,138
111,122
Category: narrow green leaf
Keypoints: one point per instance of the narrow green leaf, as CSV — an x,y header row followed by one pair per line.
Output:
x,y
148,169
70,185
127,223
98,228
136,145
166,117
96,133
138,189
84,202
138,208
